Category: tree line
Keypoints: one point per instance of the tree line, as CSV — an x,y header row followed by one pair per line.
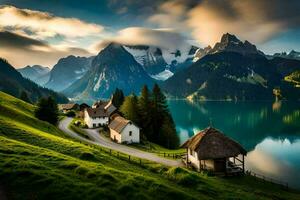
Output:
x,y
151,113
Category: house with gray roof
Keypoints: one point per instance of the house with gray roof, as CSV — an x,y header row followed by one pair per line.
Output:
x,y
99,115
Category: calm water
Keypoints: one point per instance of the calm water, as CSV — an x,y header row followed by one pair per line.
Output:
x,y
270,132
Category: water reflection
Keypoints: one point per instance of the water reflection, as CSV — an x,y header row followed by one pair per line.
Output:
x,y
277,159
269,131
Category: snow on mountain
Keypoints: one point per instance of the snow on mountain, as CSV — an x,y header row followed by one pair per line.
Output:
x,y
161,63
164,75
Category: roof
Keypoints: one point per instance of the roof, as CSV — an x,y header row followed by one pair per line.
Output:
x,y
100,103
110,107
67,106
210,143
107,105
97,112
119,123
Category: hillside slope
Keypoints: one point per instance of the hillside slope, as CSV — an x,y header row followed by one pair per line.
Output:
x,y
12,82
232,76
37,161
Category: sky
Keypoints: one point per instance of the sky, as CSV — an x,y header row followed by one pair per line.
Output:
x,y
41,32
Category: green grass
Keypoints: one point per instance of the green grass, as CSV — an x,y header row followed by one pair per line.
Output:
x,y
77,129
37,161
159,150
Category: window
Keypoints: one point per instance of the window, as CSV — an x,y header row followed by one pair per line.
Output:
x,y
130,133
94,125
191,152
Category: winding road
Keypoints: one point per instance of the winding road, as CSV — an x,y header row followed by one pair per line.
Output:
x,y
98,139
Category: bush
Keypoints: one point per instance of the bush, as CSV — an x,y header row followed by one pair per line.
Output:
x,y
71,113
47,110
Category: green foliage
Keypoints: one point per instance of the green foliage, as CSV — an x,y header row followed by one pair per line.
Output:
x,y
144,105
118,98
130,109
47,110
151,113
71,113
25,97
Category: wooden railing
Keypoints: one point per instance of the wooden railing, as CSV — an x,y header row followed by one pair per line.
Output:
x,y
171,155
268,179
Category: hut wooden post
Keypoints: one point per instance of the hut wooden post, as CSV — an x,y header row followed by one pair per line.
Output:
x,y
243,164
187,157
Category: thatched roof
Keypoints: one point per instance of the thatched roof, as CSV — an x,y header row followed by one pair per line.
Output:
x,y
118,124
212,144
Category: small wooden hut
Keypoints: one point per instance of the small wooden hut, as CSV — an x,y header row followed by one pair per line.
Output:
x,y
211,150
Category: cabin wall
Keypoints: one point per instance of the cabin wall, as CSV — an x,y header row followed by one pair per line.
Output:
x,y
193,159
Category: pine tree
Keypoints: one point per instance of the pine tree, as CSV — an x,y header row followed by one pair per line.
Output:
x,y
162,122
47,110
118,98
129,108
25,97
145,107
158,112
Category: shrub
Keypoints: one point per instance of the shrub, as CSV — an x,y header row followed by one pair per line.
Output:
x,y
71,113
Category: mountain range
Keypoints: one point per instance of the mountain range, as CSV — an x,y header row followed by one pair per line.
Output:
x,y
231,69
234,70
292,55
112,68
36,73
161,63
67,71
12,82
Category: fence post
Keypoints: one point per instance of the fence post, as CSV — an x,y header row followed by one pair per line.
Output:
x,y
140,161
118,154
129,158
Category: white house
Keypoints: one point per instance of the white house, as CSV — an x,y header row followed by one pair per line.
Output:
x,y
99,116
95,117
124,131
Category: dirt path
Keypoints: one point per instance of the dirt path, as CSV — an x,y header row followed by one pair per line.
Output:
x,y
105,142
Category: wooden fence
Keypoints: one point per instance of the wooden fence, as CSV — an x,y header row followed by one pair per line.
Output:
x,y
268,179
171,155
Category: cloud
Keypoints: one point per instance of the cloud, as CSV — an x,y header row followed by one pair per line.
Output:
x,y
164,38
171,14
20,50
257,21
43,24
7,39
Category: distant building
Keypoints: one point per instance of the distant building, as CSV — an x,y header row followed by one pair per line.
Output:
x,y
212,150
68,107
124,131
98,115
82,107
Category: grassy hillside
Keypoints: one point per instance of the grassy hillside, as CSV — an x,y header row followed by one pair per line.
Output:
x,y
12,82
37,161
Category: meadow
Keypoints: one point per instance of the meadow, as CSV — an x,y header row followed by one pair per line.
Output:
x,y
38,161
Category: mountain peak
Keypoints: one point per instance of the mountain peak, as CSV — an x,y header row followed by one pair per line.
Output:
x,y
231,43
227,37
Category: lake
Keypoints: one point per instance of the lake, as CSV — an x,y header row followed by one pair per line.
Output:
x,y
270,132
